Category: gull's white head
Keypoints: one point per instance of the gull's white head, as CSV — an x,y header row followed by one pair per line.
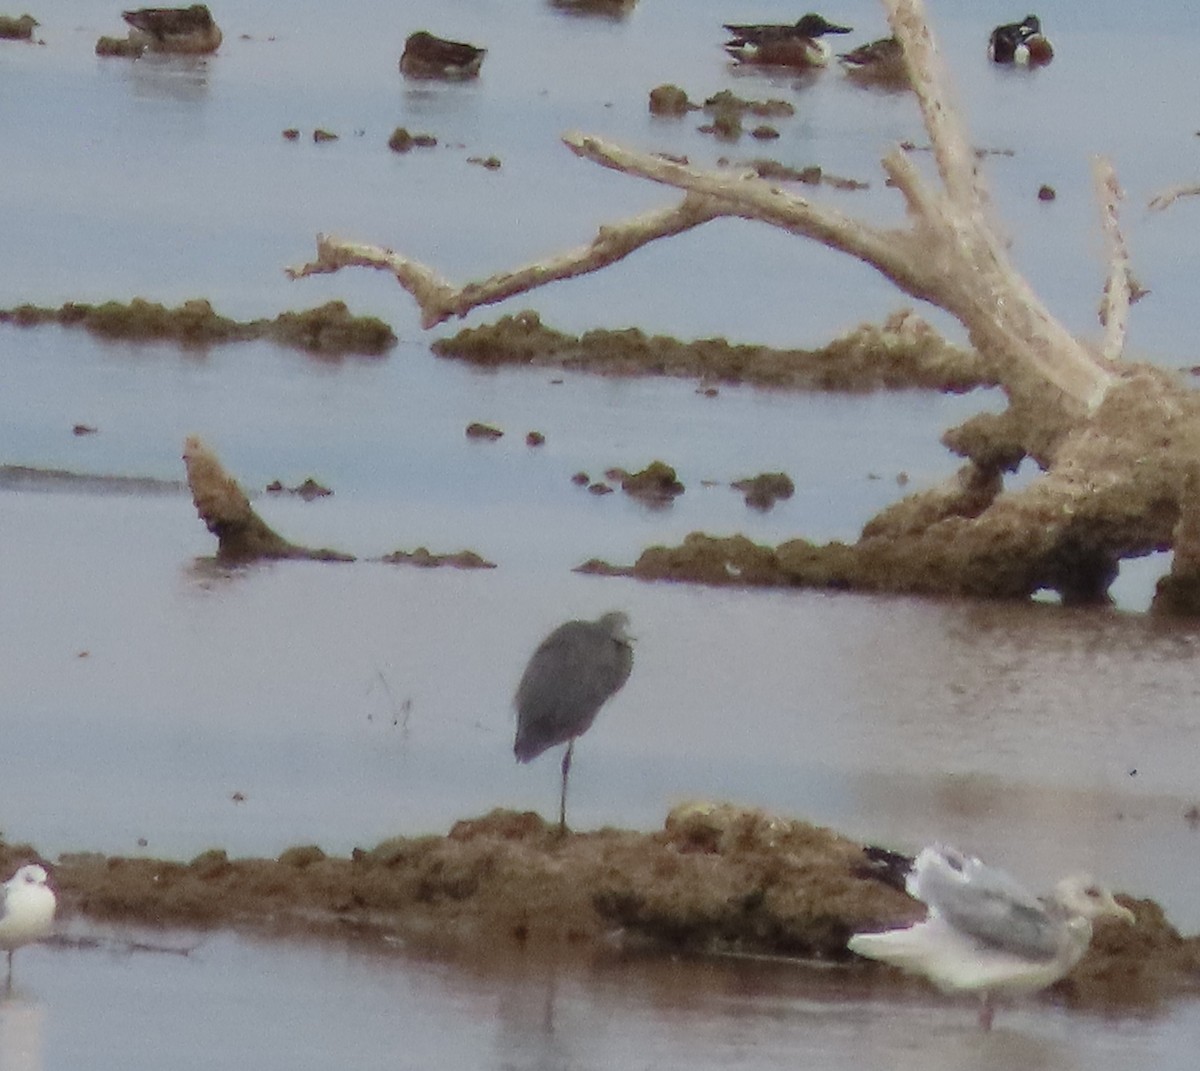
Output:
x,y
30,874
1081,895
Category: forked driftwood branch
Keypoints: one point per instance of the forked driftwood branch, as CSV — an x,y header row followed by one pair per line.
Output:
x,y
1169,196
439,300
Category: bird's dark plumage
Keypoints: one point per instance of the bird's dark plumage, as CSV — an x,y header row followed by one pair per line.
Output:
x,y
1020,42
427,56
809,25
571,675
176,29
798,45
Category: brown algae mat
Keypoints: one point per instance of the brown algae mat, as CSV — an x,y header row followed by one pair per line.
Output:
x,y
903,352
328,330
716,880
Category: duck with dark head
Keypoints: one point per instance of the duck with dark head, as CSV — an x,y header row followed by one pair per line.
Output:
x,y
1020,43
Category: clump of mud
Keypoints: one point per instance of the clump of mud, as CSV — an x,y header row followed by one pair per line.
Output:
x,y
726,102
717,879
670,100
421,557
765,489
328,330
656,483
308,490
812,175
902,352
485,432
729,111
17,29
402,141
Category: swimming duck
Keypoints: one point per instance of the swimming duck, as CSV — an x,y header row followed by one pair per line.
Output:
x,y
797,45
880,62
174,29
426,56
1021,43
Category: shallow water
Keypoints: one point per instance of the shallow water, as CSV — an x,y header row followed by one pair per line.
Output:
x,y
143,688
300,1006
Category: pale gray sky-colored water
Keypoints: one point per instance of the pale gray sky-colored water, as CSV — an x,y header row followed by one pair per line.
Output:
x,y
141,689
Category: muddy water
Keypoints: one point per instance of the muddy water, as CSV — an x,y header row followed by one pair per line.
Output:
x,y
279,1006
142,689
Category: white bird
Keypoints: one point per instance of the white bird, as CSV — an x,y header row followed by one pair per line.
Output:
x,y
985,933
27,911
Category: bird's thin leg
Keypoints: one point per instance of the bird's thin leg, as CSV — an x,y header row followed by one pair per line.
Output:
x,y
987,1012
562,803
8,978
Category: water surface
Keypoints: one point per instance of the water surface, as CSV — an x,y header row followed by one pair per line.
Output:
x,y
143,688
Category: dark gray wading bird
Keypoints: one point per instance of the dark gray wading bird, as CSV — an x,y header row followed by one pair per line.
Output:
x,y
572,674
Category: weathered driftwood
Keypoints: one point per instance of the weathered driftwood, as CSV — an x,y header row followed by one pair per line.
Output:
x,y
242,535
1117,444
1169,196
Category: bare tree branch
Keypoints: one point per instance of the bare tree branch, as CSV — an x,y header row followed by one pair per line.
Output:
x,y
1170,196
439,300
957,164
1118,287
951,259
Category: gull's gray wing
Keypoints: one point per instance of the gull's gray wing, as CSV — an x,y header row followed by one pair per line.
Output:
x,y
985,904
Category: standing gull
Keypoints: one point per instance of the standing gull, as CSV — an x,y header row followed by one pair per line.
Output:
x,y
26,911
572,674
985,933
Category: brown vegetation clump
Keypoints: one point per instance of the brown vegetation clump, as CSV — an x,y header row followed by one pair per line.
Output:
x,y
727,101
308,490
125,47
657,482
17,29
327,330
717,879
402,141
902,352
765,489
670,100
421,557
486,432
